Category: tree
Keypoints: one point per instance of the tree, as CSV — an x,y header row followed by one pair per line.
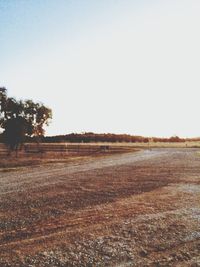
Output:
x,y
15,132
21,118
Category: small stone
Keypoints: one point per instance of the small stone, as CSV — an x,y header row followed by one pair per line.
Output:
x,y
143,253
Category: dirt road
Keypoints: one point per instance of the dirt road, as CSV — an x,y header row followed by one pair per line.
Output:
x,y
134,209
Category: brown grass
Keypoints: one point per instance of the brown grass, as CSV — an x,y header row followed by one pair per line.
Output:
x,y
7,163
135,210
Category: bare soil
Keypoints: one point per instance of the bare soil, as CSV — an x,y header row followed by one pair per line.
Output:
x,y
133,209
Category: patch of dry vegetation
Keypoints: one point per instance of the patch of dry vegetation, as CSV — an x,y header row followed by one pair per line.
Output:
x,y
133,210
7,163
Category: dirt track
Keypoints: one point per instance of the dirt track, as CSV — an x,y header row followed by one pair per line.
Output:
x,y
135,209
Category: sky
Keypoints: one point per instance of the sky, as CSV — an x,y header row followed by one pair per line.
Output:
x,y
105,66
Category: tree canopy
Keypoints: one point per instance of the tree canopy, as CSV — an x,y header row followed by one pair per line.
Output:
x,y
21,118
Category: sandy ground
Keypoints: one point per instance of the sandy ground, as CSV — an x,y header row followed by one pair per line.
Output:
x,y
134,209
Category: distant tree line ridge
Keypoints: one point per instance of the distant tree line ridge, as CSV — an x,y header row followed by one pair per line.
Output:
x,y
90,137
104,137
94,137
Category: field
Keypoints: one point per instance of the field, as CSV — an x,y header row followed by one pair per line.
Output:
x,y
139,208
67,152
33,154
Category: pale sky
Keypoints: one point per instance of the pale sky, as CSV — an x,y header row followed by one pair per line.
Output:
x,y
119,66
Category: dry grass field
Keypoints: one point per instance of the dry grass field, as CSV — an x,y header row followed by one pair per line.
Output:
x,y
67,152
44,153
139,208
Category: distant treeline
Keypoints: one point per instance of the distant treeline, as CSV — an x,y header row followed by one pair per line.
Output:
x,y
108,137
105,137
93,137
